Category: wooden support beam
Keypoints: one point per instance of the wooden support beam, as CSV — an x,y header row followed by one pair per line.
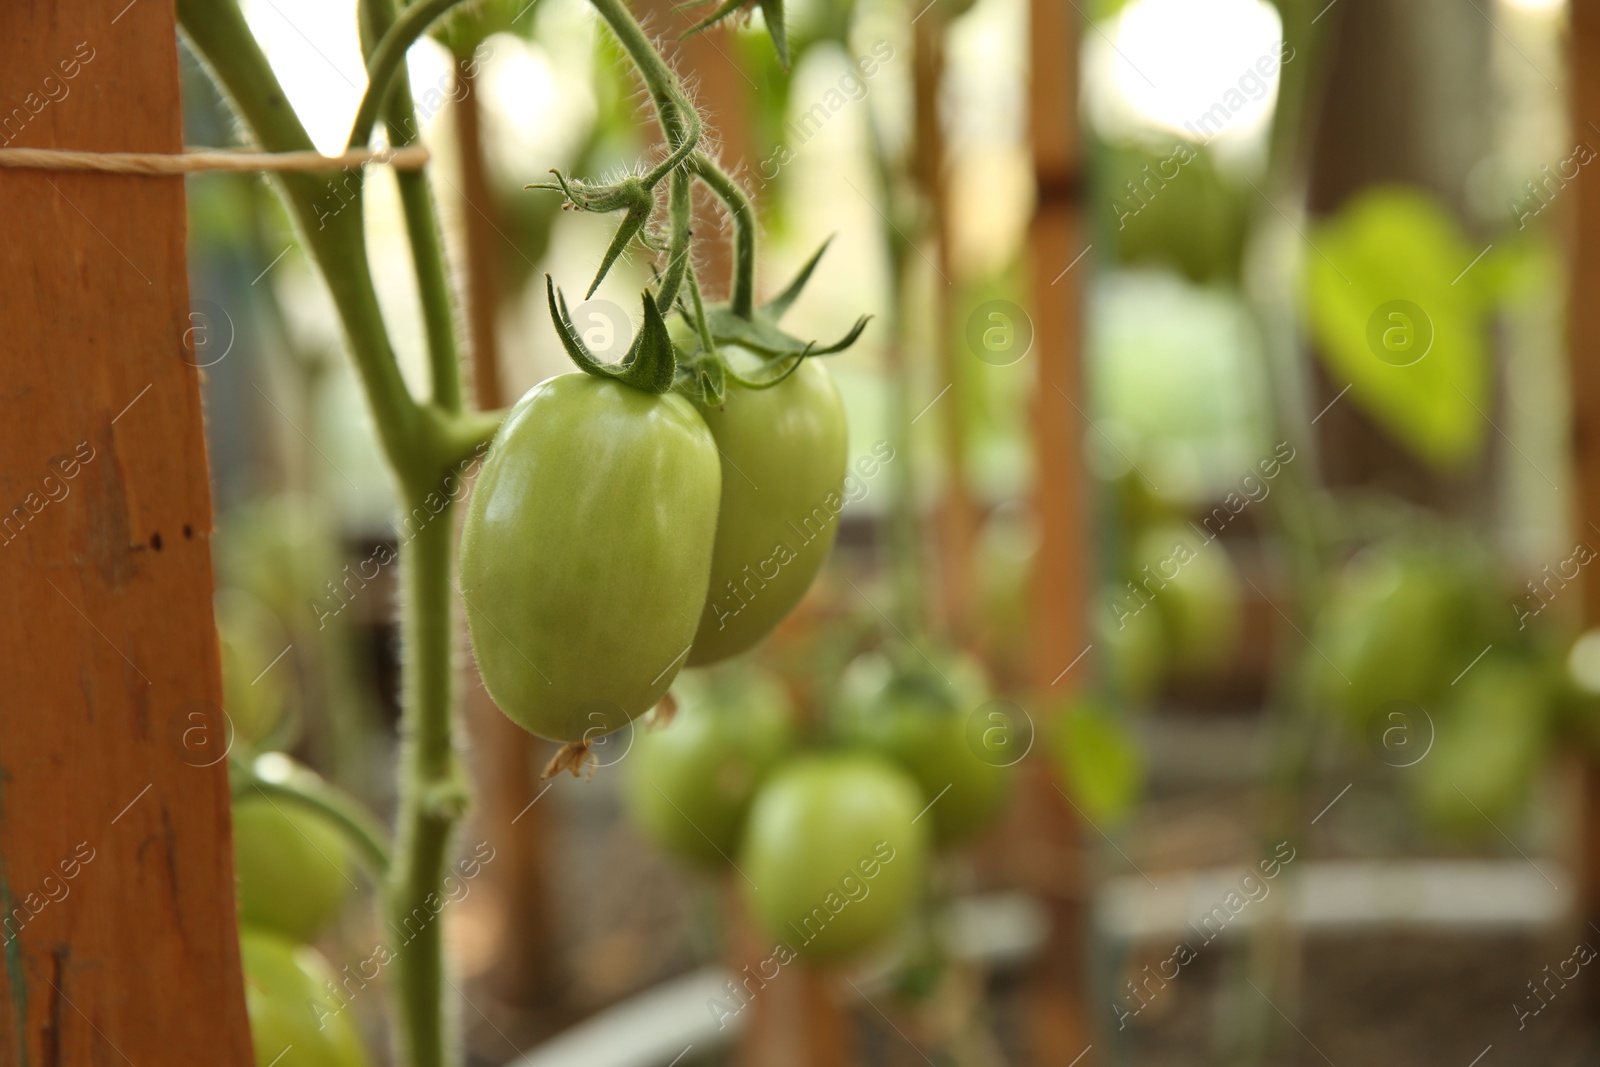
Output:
x,y
116,872
1058,1025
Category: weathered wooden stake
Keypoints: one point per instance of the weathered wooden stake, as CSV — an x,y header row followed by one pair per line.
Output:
x,y
116,875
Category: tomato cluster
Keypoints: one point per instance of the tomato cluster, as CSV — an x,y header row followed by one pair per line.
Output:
x,y
1417,651
827,830
636,517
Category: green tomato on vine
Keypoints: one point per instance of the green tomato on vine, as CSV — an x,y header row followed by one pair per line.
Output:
x,y
690,786
918,714
286,997
294,870
834,856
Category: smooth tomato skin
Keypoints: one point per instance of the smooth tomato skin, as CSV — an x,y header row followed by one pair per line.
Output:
x,y
919,721
585,553
282,979
783,464
690,783
293,870
834,852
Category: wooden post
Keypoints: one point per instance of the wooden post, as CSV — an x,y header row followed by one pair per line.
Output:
x,y
1583,341
1059,1030
116,873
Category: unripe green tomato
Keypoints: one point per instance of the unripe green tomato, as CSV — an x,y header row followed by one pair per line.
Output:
x,y
1387,632
783,466
1489,736
293,868
249,636
1132,648
833,853
294,1020
918,717
586,551
690,783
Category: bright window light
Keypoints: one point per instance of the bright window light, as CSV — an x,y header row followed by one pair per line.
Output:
x,y
1198,68
315,50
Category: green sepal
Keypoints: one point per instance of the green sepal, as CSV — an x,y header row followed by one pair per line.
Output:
x,y
779,305
769,380
771,11
712,378
650,365
762,336
630,194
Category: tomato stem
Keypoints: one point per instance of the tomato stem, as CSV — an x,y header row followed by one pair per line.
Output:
x,y
387,55
742,299
432,794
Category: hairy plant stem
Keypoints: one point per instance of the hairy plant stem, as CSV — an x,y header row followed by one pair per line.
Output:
x,y
416,200
432,793
422,442
1269,962
742,298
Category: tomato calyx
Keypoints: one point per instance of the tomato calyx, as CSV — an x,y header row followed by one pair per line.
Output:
x,y
649,365
705,370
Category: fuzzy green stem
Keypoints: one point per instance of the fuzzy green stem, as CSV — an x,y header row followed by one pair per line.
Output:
x,y
395,36
680,124
743,214
671,105
416,199
678,211
432,795
422,443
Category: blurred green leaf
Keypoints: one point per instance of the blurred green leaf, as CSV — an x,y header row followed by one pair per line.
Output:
x,y
1397,314
1099,761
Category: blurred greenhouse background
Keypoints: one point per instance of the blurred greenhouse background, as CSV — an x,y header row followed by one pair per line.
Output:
x,y
1324,544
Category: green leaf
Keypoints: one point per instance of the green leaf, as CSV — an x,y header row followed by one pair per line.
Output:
x,y
1100,762
1397,313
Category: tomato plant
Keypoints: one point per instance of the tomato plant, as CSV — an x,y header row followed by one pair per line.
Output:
x,y
585,553
833,853
588,546
690,784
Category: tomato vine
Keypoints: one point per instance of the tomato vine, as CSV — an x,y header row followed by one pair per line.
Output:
x,y
424,439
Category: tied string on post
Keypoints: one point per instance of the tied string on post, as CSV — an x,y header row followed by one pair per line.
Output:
x,y
197,160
